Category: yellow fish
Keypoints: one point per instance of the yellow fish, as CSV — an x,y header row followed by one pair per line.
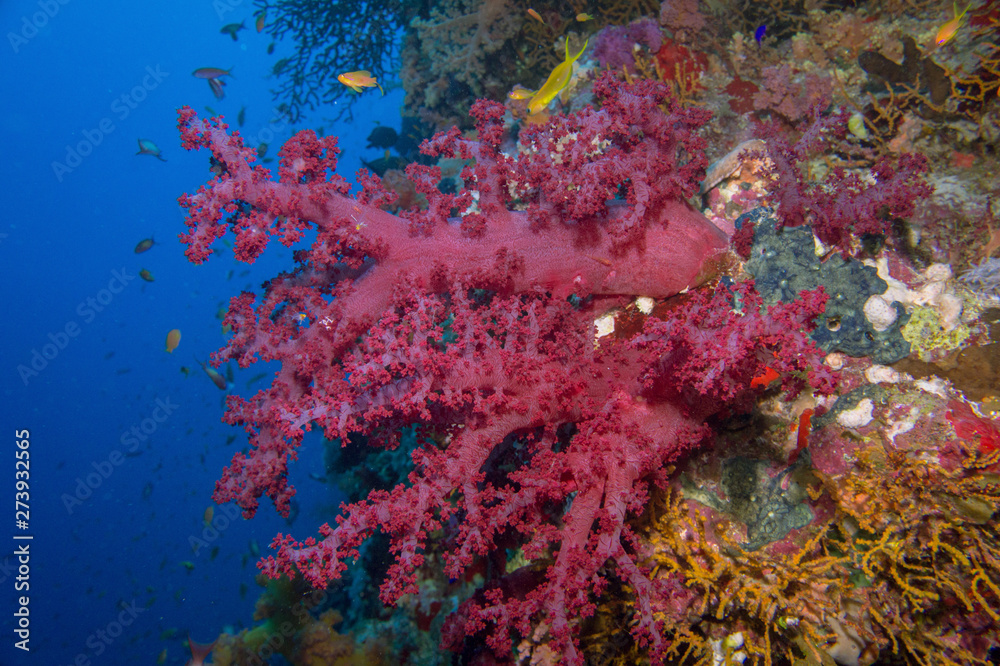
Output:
x,y
520,92
358,80
949,29
558,79
581,17
173,339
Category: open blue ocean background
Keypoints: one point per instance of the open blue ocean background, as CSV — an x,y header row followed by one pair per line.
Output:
x,y
124,448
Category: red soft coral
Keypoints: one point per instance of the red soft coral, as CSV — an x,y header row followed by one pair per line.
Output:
x,y
462,329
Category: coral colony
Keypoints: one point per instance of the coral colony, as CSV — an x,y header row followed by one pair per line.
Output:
x,y
600,395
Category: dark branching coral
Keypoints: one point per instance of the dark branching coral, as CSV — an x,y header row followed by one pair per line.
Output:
x,y
915,72
332,38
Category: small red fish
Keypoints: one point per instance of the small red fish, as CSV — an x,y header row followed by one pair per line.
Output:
x,y
802,439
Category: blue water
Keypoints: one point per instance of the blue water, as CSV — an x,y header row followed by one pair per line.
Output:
x,y
109,412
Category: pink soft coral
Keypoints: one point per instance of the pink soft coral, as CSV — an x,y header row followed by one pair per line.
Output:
x,y
531,433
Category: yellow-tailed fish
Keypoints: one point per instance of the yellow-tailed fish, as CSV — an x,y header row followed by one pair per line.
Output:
x,y
359,80
558,79
173,339
582,16
949,29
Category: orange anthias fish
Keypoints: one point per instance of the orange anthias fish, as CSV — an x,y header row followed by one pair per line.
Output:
x,y
147,147
173,339
358,80
949,29
261,20
535,15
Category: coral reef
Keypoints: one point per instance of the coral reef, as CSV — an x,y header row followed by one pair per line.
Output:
x,y
599,405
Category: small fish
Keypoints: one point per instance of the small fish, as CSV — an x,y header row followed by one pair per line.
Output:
x,y
188,564
270,48
216,378
211,72
535,15
358,80
186,371
147,147
280,66
144,245
520,92
241,117
583,16
758,34
949,29
259,23
232,28
254,548
216,86
162,659
146,275
256,378
173,339
199,652
147,490
557,81
207,518
382,137
262,152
